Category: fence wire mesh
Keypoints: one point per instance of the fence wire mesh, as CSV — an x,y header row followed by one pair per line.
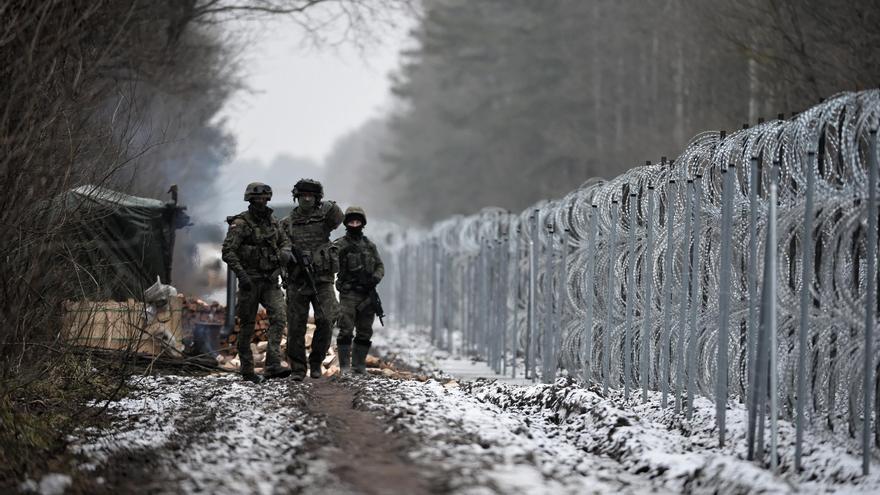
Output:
x,y
661,278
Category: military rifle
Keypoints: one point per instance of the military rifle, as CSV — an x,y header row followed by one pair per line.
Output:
x,y
367,283
305,263
377,305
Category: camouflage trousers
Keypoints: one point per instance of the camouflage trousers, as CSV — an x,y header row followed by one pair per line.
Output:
x,y
298,301
269,294
355,313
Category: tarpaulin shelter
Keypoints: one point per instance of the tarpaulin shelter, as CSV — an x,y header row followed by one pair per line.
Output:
x,y
123,241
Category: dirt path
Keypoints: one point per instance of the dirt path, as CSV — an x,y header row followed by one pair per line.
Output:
x,y
360,451
206,435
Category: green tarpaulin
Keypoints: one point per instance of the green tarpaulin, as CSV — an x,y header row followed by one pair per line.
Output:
x,y
120,242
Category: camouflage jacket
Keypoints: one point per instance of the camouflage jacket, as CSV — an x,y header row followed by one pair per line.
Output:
x,y
360,266
253,245
310,234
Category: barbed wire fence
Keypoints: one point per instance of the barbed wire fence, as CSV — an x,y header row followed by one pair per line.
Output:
x,y
661,278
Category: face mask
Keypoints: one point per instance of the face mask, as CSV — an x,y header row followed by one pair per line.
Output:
x,y
306,202
355,231
259,209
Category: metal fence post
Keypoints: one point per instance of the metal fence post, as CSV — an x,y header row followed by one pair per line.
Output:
x,y
870,302
484,297
721,380
771,315
645,368
683,297
669,266
805,302
630,295
561,299
609,317
532,330
516,294
435,292
752,330
589,284
503,252
765,351
547,337
696,297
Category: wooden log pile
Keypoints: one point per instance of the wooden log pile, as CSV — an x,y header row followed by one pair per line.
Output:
x,y
228,357
198,311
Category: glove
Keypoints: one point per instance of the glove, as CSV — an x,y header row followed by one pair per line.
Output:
x,y
245,282
286,255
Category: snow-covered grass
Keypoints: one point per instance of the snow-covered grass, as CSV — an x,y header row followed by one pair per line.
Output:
x,y
684,455
642,444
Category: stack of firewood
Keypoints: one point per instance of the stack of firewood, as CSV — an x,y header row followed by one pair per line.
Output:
x,y
196,310
229,356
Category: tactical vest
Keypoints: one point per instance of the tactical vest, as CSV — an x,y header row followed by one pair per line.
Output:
x,y
259,247
309,234
356,260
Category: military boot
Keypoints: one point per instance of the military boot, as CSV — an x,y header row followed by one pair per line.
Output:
x,y
274,368
359,357
277,371
315,372
344,358
252,377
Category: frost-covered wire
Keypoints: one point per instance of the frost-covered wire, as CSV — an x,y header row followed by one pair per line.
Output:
x,y
492,315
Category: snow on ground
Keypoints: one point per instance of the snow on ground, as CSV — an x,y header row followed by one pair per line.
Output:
x,y
408,346
646,439
219,434
481,448
215,434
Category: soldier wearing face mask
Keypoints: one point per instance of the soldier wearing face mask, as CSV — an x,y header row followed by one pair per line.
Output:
x,y
360,270
308,228
256,249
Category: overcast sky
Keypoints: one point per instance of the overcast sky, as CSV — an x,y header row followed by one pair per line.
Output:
x,y
303,98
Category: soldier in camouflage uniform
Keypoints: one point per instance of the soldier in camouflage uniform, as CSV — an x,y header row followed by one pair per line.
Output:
x,y
308,228
360,270
256,250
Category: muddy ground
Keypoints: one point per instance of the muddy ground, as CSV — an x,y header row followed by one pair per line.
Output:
x,y
280,437
379,434
358,435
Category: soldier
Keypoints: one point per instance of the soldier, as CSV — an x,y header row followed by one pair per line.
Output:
x,y
360,270
310,276
256,250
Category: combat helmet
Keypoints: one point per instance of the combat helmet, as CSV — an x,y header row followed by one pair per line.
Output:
x,y
308,186
256,190
355,211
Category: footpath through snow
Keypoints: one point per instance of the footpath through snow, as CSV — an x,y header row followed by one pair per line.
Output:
x,y
372,434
